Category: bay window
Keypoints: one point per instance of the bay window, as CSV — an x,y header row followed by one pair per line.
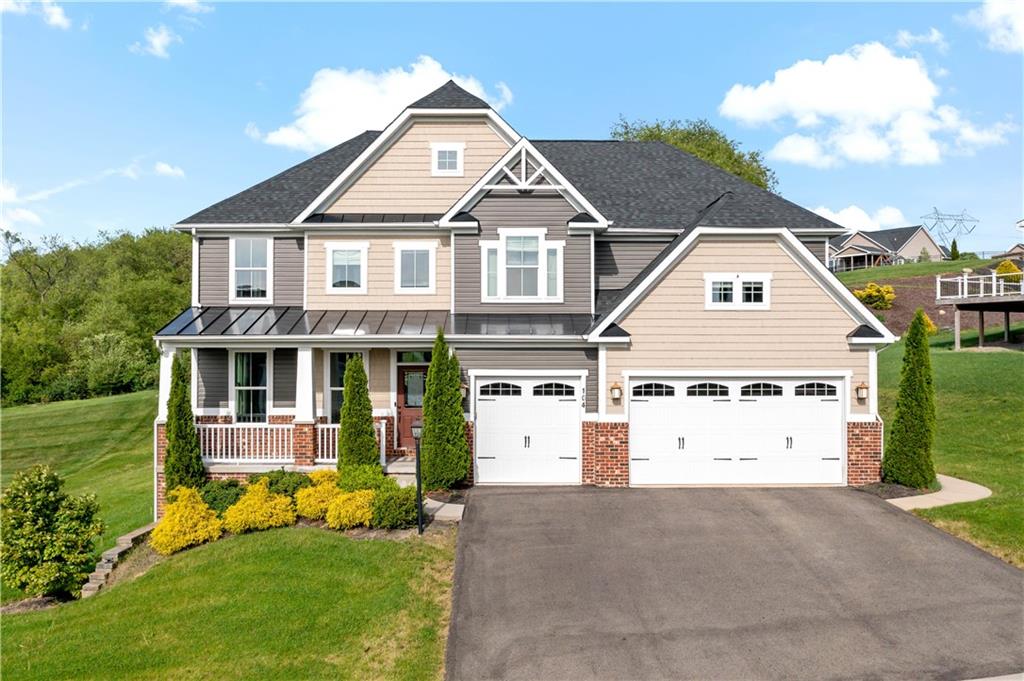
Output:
x,y
522,266
251,269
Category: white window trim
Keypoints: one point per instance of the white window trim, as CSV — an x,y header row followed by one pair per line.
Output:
x,y
324,408
329,248
269,298
543,245
431,248
459,147
738,279
232,388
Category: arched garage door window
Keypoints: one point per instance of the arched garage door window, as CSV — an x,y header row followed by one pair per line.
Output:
x,y
761,390
707,390
554,390
815,390
653,390
500,390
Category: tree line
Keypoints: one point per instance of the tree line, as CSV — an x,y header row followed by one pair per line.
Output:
x,y
78,318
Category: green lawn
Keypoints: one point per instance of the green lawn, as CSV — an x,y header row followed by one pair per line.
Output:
x,y
979,437
914,269
294,603
102,445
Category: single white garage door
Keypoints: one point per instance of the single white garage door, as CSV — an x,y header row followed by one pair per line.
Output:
x,y
528,430
713,431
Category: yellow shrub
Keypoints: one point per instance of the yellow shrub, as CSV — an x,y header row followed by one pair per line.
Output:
x,y
351,509
1008,267
324,476
929,326
187,521
312,502
258,509
875,296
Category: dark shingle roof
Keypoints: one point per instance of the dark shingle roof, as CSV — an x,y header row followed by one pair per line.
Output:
x,y
864,331
893,239
450,96
655,185
281,198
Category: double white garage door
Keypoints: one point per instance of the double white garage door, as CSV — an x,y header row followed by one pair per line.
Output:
x,y
701,431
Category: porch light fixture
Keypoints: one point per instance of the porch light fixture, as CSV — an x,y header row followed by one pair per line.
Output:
x,y
463,390
417,430
862,391
616,391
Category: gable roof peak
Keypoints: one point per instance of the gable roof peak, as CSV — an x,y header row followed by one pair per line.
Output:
x,y
450,96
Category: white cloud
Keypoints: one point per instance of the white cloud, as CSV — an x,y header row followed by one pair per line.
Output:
x,y
158,39
1002,21
865,105
17,215
933,37
190,6
252,131
341,103
52,13
167,170
855,217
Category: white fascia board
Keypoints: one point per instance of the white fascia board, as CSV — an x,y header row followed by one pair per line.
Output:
x,y
802,255
872,341
737,373
479,188
347,340
541,373
384,140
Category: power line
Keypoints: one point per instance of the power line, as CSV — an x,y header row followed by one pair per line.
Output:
x,y
949,226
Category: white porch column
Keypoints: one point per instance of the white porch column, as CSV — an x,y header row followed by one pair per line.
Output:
x,y
304,412
164,393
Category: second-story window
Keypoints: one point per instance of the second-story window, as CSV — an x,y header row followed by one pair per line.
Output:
x,y
251,271
415,267
346,266
522,266
446,159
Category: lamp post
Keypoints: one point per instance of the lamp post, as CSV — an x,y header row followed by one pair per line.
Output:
x,y
417,431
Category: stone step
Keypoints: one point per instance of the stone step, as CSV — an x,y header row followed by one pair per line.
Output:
x,y
404,465
404,479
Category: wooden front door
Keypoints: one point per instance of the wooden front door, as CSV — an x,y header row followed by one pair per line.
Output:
x,y
412,382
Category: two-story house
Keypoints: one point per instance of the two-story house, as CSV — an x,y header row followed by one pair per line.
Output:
x,y
624,313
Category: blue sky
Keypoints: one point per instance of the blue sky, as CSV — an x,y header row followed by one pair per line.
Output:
x,y
125,116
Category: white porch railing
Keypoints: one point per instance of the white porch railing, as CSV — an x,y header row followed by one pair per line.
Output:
x,y
327,442
244,443
979,286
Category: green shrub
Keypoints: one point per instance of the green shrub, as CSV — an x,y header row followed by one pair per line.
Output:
x,y
357,439
283,482
187,521
47,535
445,451
259,509
394,508
352,478
351,510
954,251
908,450
875,296
221,494
924,255
183,464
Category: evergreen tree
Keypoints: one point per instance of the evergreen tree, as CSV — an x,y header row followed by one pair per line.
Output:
x,y
954,251
444,449
908,451
357,443
183,463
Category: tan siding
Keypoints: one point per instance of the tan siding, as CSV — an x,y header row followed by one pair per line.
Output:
x,y
380,378
380,261
400,181
804,329
860,240
912,249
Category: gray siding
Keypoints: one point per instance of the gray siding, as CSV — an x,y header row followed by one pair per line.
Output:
x,y
616,263
529,210
212,379
288,265
285,364
816,245
213,272
536,359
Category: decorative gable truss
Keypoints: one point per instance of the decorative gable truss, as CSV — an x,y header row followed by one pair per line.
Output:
x,y
524,170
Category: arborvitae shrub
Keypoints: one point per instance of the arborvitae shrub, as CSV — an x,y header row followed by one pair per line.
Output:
x,y
357,442
183,463
445,451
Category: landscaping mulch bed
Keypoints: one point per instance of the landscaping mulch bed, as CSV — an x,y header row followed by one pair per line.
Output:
x,y
29,605
888,490
455,496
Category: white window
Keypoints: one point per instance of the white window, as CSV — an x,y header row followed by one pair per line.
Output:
x,y
346,266
415,267
446,159
522,266
737,291
251,269
251,386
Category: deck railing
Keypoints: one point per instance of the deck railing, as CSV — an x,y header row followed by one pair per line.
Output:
x,y
327,441
244,443
979,286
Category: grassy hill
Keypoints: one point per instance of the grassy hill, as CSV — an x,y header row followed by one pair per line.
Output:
x,y
913,269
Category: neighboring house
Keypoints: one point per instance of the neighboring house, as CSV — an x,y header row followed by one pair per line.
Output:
x,y
1015,251
623,312
858,250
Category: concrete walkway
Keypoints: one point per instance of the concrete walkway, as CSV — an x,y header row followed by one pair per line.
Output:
x,y
439,510
954,491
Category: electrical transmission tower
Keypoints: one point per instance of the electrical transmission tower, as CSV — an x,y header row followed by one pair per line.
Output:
x,y
949,226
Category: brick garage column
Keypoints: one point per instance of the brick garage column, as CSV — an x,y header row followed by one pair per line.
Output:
x,y
472,455
863,452
159,454
606,453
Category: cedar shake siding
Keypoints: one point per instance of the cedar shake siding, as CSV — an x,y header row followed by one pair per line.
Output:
x,y
534,359
400,180
616,263
213,272
525,210
380,264
288,274
803,330
212,378
285,364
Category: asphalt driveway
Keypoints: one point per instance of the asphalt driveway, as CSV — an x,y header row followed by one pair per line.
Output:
x,y
585,583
